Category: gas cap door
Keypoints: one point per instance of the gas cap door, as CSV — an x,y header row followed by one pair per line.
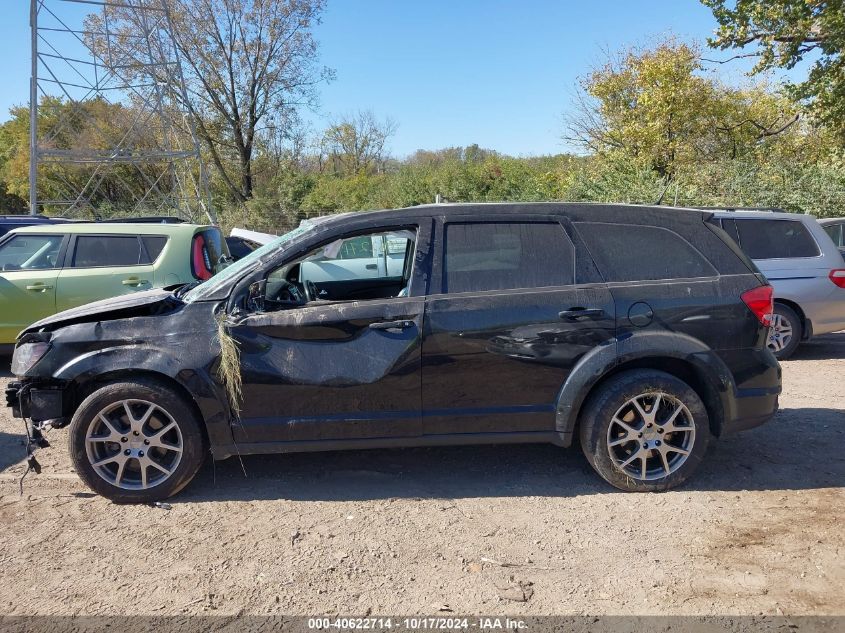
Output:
x,y
640,314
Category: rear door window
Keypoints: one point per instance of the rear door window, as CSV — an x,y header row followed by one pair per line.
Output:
x,y
775,239
628,252
507,255
96,251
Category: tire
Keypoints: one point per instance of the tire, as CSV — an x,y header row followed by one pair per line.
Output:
x,y
164,436
785,333
608,444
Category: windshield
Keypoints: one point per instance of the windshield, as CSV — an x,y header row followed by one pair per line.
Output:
x,y
208,288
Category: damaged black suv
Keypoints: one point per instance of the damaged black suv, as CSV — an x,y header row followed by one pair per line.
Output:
x,y
638,331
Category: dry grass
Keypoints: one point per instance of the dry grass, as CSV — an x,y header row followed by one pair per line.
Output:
x,y
229,370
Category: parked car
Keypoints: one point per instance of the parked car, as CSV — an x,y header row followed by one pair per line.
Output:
x,y
638,332
240,247
11,222
804,267
835,228
48,268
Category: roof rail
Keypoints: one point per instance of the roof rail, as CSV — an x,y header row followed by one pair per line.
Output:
x,y
762,209
152,219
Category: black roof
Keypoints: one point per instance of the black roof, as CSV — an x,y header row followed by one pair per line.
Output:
x,y
576,211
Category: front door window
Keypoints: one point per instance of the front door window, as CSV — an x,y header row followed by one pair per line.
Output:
x,y
30,252
375,265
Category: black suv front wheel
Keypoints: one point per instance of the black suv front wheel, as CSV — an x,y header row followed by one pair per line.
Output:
x,y
645,430
136,442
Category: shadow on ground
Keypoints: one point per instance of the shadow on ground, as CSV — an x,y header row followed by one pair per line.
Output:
x,y
800,449
12,449
825,347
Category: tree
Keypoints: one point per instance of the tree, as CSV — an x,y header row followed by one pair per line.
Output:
x,y
356,143
250,65
655,106
784,32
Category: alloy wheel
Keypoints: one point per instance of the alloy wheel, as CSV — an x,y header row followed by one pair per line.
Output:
x,y
651,436
134,444
780,333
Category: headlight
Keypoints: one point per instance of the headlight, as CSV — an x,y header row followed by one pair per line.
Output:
x,y
26,355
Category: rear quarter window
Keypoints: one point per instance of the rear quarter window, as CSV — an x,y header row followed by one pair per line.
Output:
x,y
629,252
154,245
835,232
775,239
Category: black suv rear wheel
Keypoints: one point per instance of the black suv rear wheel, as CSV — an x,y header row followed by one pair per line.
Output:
x,y
136,442
645,430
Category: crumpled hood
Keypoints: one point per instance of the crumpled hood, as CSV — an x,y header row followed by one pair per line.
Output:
x,y
125,305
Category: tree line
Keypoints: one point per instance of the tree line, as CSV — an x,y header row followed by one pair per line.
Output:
x,y
647,124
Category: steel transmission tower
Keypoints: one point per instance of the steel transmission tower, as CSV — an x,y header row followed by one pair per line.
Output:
x,y
109,120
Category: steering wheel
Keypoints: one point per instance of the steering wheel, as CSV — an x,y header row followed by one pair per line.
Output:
x,y
311,293
289,292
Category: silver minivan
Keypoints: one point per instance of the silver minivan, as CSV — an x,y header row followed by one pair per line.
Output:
x,y
803,265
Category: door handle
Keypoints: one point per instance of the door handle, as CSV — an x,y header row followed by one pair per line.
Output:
x,y
580,313
391,325
39,287
134,282
371,266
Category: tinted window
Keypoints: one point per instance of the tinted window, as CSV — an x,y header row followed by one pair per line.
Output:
x,y
106,250
154,245
502,256
30,252
730,229
626,252
771,239
239,247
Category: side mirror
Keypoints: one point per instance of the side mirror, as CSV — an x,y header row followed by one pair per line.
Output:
x,y
255,299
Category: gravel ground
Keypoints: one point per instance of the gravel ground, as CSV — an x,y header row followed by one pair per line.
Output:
x,y
519,530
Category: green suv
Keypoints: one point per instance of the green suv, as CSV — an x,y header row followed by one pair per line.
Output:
x,y
49,268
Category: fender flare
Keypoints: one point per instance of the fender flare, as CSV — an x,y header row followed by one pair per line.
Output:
x,y
200,386
600,361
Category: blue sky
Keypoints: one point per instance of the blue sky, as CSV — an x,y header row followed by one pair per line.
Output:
x,y
498,73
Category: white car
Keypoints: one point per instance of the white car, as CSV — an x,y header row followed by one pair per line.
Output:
x,y
803,265
379,257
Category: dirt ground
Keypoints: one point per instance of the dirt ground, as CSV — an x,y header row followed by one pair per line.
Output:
x,y
518,530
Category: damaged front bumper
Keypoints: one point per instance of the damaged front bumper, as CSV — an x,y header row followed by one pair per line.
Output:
x,y
34,404
47,403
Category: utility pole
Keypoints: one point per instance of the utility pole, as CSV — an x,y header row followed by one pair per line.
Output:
x,y
33,111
